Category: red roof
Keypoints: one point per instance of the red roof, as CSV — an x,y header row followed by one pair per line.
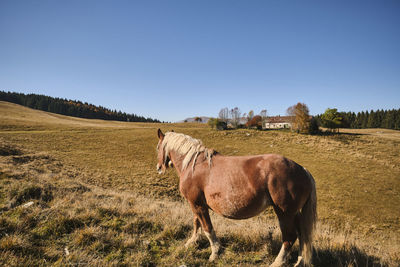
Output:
x,y
280,119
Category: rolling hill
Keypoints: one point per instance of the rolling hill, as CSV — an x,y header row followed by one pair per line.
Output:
x,y
70,107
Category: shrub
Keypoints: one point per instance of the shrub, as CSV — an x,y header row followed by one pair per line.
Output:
x,y
314,127
254,122
217,124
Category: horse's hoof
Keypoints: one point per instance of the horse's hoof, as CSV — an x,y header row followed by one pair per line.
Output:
x,y
277,264
188,245
300,262
213,257
215,248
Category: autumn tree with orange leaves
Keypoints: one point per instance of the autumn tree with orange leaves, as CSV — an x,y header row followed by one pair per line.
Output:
x,y
300,117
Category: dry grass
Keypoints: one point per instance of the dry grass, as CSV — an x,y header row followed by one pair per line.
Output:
x,y
98,201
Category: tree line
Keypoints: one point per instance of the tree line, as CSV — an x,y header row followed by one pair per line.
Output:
x,y
70,107
388,119
234,119
302,122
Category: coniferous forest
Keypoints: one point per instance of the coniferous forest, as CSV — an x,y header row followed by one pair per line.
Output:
x,y
388,119
70,107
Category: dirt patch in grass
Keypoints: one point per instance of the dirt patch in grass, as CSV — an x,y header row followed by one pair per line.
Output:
x,y
8,150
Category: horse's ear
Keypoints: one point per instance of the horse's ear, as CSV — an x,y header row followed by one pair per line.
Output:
x,y
160,134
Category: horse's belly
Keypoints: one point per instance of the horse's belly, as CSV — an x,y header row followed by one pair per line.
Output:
x,y
238,206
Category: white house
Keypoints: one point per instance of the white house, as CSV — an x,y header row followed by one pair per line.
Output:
x,y
278,122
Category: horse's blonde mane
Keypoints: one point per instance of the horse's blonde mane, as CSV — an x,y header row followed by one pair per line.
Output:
x,y
186,146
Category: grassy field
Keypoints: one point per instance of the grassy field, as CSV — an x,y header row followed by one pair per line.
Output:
x,y
98,200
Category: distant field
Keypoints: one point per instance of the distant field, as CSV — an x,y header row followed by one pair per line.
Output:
x,y
99,201
384,133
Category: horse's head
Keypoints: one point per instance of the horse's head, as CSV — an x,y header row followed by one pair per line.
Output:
x,y
163,161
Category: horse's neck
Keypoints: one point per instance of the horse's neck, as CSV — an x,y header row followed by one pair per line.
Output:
x,y
177,160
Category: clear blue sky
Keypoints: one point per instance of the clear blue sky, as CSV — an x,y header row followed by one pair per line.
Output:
x,y
172,59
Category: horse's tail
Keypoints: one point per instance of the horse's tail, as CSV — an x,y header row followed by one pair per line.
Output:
x,y
308,221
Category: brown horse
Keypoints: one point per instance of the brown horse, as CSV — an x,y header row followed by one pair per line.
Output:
x,y
242,187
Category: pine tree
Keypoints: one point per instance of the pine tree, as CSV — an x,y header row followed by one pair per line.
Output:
x,y
353,123
364,121
372,120
358,121
397,120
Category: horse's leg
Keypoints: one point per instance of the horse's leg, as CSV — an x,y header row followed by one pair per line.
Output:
x,y
300,261
289,236
204,217
196,232
214,244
